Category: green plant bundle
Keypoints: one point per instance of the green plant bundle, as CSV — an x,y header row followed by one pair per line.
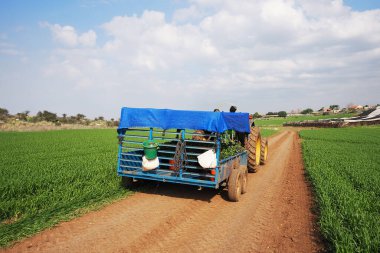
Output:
x,y
344,168
230,148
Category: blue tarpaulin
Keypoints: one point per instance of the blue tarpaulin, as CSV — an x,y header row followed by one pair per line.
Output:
x,y
180,119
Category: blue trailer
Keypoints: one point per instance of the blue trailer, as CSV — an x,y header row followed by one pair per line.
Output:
x,y
185,137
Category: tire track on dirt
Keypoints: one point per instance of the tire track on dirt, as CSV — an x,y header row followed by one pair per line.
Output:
x,y
174,238
175,218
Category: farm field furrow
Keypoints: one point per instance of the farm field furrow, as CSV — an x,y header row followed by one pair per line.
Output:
x,y
344,168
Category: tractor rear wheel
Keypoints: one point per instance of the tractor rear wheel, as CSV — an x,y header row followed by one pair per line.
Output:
x,y
244,178
234,185
253,149
264,151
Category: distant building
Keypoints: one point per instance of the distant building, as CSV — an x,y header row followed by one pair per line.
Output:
x,y
356,107
324,109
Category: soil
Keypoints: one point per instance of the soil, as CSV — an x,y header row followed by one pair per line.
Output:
x,y
273,216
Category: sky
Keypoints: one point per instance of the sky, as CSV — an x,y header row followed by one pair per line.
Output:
x,y
96,56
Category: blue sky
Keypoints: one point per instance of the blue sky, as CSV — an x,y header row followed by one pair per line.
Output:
x,y
20,18
94,56
363,5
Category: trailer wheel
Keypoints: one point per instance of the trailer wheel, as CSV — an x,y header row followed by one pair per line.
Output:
x,y
253,149
234,185
127,182
264,151
244,179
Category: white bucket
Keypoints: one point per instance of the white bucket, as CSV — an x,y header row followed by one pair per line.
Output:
x,y
207,159
150,164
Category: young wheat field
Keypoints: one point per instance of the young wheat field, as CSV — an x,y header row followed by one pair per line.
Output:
x,y
344,168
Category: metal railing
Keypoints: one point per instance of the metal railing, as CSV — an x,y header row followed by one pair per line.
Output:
x,y
131,152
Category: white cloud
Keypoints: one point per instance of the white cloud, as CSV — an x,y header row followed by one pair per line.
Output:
x,y
215,52
87,39
153,44
190,13
7,48
68,36
9,51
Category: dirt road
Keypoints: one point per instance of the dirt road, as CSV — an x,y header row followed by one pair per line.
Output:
x,y
274,216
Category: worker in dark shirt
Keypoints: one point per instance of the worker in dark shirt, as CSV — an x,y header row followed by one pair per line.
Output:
x,y
251,121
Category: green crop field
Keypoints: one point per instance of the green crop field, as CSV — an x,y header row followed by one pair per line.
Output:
x,y
344,168
266,132
278,121
46,177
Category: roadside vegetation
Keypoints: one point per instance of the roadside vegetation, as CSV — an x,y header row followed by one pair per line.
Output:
x,y
46,120
47,177
266,132
278,121
344,168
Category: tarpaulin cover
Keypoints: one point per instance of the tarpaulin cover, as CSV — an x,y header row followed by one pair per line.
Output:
x,y
179,119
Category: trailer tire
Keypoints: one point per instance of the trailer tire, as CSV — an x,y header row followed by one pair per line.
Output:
x,y
253,149
264,151
234,185
244,179
127,182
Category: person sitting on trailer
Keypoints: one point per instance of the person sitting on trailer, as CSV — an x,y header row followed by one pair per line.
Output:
x,y
251,120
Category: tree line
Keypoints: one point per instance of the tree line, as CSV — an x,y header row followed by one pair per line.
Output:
x,y
44,115
323,110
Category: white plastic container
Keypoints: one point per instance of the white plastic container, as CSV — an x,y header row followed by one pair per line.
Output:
x,y
150,164
207,159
